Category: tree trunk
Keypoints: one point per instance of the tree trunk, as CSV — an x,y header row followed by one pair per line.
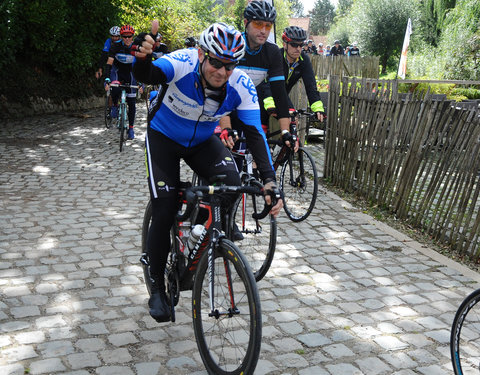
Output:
x,y
384,60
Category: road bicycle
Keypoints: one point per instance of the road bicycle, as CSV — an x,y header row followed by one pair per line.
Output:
x,y
298,176
225,302
465,336
122,121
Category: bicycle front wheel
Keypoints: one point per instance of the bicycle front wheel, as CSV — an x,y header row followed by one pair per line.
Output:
x,y
299,182
259,236
123,124
465,337
229,336
106,113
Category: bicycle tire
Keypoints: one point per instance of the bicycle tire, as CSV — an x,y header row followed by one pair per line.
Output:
x,y
123,127
222,339
464,354
300,191
106,113
259,236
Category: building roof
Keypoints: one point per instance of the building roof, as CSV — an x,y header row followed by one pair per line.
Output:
x,y
303,22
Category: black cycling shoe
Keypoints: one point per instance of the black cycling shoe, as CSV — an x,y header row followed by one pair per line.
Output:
x,y
159,308
237,235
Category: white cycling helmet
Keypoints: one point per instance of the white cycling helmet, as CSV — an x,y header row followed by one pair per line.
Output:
x,y
224,41
115,31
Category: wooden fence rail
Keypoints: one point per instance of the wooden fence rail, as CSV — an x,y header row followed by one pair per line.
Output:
x,y
416,156
345,66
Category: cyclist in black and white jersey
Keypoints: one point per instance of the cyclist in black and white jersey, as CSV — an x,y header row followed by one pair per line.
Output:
x,y
263,62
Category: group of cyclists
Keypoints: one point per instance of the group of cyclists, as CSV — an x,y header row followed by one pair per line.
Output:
x,y
227,78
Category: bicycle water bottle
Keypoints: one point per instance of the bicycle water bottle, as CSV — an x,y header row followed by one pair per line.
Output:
x,y
194,237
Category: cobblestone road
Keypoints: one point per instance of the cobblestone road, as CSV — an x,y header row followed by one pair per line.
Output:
x,y
345,294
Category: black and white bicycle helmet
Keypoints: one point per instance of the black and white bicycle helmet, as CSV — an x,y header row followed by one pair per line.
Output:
x,y
294,33
224,41
115,31
190,41
261,11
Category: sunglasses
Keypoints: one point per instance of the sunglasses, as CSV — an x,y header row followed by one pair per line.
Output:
x,y
217,64
296,45
127,36
262,24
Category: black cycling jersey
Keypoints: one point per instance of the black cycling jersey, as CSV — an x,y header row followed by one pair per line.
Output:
x,y
266,64
122,60
302,68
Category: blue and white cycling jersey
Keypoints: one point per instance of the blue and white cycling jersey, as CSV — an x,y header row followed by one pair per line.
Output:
x,y
186,115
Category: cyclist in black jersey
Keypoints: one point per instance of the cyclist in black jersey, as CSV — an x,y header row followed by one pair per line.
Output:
x,y
119,68
114,38
263,62
296,65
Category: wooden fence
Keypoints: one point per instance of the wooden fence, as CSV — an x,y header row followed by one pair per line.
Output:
x,y
324,67
415,156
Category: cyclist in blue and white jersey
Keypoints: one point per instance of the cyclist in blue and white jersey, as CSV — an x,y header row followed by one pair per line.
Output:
x,y
114,38
119,68
263,62
197,88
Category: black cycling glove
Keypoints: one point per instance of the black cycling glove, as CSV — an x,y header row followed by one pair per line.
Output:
x,y
288,137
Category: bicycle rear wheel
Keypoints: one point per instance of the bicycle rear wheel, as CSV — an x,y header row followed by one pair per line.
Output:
x,y
123,124
465,337
259,236
228,339
106,113
299,182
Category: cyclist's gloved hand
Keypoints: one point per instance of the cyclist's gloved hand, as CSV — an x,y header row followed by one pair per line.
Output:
x,y
321,116
143,44
107,83
271,190
228,137
272,111
288,137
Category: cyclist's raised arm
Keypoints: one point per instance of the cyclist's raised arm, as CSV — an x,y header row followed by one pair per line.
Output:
x,y
143,69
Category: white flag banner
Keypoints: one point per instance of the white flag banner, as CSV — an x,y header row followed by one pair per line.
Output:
x,y
402,67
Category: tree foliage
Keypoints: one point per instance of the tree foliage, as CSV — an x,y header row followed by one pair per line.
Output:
x,y
432,16
321,17
379,26
296,7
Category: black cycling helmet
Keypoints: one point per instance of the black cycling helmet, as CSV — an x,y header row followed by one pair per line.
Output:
x,y
190,41
261,11
294,33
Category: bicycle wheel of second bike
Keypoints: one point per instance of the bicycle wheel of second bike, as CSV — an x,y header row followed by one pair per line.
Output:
x,y
229,339
465,337
259,236
299,182
106,114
